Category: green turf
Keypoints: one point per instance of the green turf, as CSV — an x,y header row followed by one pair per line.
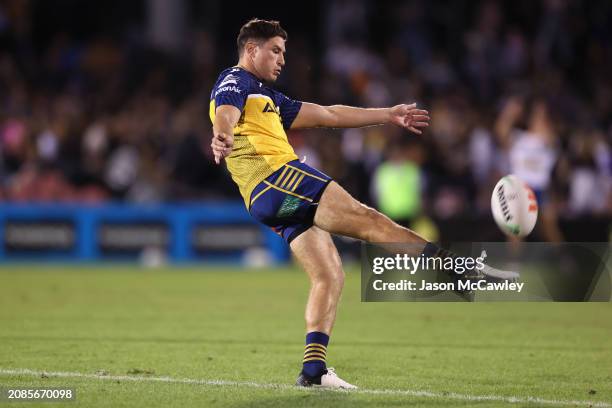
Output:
x,y
245,325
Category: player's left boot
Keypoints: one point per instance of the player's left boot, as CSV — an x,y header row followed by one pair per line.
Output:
x,y
329,379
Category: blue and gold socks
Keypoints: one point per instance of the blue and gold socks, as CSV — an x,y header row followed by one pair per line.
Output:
x,y
315,352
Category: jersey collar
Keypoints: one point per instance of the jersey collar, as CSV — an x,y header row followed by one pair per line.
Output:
x,y
250,73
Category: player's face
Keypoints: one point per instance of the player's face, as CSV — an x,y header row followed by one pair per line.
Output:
x,y
269,58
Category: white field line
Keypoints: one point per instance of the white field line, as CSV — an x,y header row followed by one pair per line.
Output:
x,y
249,384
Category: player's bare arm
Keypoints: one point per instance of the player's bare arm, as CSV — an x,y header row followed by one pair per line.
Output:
x,y
339,116
222,143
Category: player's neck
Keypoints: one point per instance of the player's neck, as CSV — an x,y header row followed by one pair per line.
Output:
x,y
248,67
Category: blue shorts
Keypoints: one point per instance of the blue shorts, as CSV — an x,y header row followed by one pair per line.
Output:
x,y
287,200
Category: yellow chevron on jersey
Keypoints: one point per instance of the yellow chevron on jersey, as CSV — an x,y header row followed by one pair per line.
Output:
x,y
260,142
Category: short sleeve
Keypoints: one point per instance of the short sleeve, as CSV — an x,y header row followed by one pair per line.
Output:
x,y
231,90
289,109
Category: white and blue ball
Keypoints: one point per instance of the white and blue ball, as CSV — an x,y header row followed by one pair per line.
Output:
x,y
514,206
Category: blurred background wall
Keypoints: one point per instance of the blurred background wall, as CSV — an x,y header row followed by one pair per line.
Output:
x,y
106,102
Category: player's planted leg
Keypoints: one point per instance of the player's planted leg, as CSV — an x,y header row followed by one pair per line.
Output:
x,y
316,252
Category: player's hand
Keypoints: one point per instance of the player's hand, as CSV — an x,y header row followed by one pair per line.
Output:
x,y
222,145
409,117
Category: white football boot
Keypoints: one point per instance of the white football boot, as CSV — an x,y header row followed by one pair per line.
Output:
x,y
328,380
489,271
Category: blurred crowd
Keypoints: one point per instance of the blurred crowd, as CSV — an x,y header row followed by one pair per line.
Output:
x,y
512,87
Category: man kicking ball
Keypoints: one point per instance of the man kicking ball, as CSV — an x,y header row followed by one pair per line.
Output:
x,y
301,204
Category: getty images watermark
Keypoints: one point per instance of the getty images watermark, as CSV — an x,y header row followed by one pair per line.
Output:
x,y
487,272
457,265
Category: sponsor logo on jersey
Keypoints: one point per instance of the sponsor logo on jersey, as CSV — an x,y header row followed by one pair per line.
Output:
x,y
269,108
227,89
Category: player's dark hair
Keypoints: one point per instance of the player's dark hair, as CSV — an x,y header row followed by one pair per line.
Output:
x,y
257,29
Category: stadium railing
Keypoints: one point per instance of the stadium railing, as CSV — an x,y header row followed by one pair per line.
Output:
x,y
178,233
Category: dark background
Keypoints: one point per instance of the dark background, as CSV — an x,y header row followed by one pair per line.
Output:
x,y
107,101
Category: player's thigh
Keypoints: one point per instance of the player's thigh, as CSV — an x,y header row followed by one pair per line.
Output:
x,y
339,213
315,251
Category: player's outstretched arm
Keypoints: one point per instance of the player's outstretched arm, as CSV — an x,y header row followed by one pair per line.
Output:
x,y
226,117
340,116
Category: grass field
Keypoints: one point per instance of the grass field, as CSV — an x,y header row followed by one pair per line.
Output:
x,y
229,337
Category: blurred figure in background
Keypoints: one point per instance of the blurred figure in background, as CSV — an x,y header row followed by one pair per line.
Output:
x,y
533,152
589,174
398,184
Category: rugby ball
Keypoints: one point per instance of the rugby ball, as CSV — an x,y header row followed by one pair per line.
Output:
x,y
514,206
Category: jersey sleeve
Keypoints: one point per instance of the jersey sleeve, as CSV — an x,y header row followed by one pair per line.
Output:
x,y
289,109
233,90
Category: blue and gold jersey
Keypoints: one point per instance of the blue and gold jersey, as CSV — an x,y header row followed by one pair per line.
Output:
x,y
260,141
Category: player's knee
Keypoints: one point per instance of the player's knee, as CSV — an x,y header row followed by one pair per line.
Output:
x,y
338,278
332,276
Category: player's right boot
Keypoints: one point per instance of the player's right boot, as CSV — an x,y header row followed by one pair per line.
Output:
x,y
487,273
493,274
329,379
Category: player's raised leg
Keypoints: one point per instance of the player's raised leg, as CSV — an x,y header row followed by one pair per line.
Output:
x,y
339,213
317,254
